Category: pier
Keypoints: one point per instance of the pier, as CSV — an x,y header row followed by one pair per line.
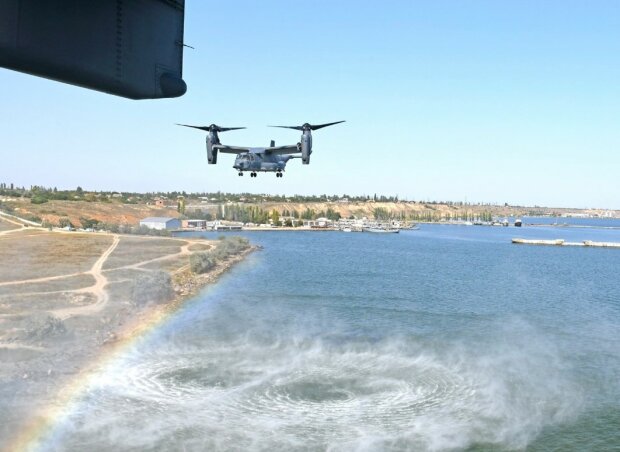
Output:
x,y
561,242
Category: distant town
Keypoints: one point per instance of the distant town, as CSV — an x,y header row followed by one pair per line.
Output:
x,y
159,213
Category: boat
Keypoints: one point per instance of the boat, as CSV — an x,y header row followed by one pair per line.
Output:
x,y
557,242
381,230
518,223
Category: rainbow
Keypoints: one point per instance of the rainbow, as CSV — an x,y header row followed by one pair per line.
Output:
x,y
45,427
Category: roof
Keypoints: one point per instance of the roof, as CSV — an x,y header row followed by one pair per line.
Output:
x,y
157,220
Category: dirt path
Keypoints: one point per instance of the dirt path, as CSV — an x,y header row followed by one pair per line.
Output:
x,y
183,252
17,220
98,289
94,271
9,220
10,231
38,280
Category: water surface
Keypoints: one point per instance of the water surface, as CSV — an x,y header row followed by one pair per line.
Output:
x,y
446,338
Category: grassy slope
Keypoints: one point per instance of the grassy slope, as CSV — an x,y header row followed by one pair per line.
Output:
x,y
108,212
118,213
26,256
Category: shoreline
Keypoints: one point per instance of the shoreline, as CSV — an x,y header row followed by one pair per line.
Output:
x,y
88,358
186,285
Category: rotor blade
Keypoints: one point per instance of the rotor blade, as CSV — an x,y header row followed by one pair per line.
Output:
x,y
226,129
309,126
289,127
320,126
213,127
205,128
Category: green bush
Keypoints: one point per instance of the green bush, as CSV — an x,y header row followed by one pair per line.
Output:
x,y
6,208
38,199
230,246
88,223
202,262
226,247
152,288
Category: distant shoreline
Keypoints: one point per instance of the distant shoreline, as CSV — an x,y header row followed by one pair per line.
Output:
x,y
440,223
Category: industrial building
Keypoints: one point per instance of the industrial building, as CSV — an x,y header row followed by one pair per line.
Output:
x,y
161,223
194,224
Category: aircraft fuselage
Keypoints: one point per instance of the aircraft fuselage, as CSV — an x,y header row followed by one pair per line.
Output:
x,y
256,161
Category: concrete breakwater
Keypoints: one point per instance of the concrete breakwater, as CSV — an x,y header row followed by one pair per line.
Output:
x,y
561,242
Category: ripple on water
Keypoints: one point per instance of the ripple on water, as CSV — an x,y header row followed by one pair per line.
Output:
x,y
345,395
318,392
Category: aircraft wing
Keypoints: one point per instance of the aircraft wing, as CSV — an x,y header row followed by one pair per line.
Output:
x,y
230,149
289,149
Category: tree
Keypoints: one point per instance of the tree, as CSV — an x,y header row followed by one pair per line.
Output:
x,y
88,223
79,190
64,223
307,214
332,214
381,213
275,217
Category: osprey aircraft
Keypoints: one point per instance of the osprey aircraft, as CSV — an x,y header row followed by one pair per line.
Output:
x,y
254,159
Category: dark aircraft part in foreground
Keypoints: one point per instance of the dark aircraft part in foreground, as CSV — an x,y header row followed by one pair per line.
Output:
x,y
130,48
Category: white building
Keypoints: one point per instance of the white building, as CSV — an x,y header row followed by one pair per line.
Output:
x,y
160,223
319,223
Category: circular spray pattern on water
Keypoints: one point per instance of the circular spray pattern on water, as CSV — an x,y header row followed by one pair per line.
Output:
x,y
346,395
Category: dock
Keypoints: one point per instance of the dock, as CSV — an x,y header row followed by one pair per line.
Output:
x,y
561,242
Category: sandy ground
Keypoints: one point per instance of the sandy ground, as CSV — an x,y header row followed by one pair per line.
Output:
x,y
65,297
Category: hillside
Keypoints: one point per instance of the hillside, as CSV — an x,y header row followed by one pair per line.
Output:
x,y
112,212
419,211
117,212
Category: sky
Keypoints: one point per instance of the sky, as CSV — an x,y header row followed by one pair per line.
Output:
x,y
477,101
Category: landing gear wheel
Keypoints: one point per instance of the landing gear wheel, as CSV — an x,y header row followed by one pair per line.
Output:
x,y
240,173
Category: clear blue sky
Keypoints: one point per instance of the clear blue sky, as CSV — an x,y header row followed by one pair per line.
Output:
x,y
491,101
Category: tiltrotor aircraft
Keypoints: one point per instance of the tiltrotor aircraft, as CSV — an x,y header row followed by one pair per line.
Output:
x,y
270,159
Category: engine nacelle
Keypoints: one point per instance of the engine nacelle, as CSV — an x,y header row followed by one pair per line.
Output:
x,y
212,139
211,155
306,150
